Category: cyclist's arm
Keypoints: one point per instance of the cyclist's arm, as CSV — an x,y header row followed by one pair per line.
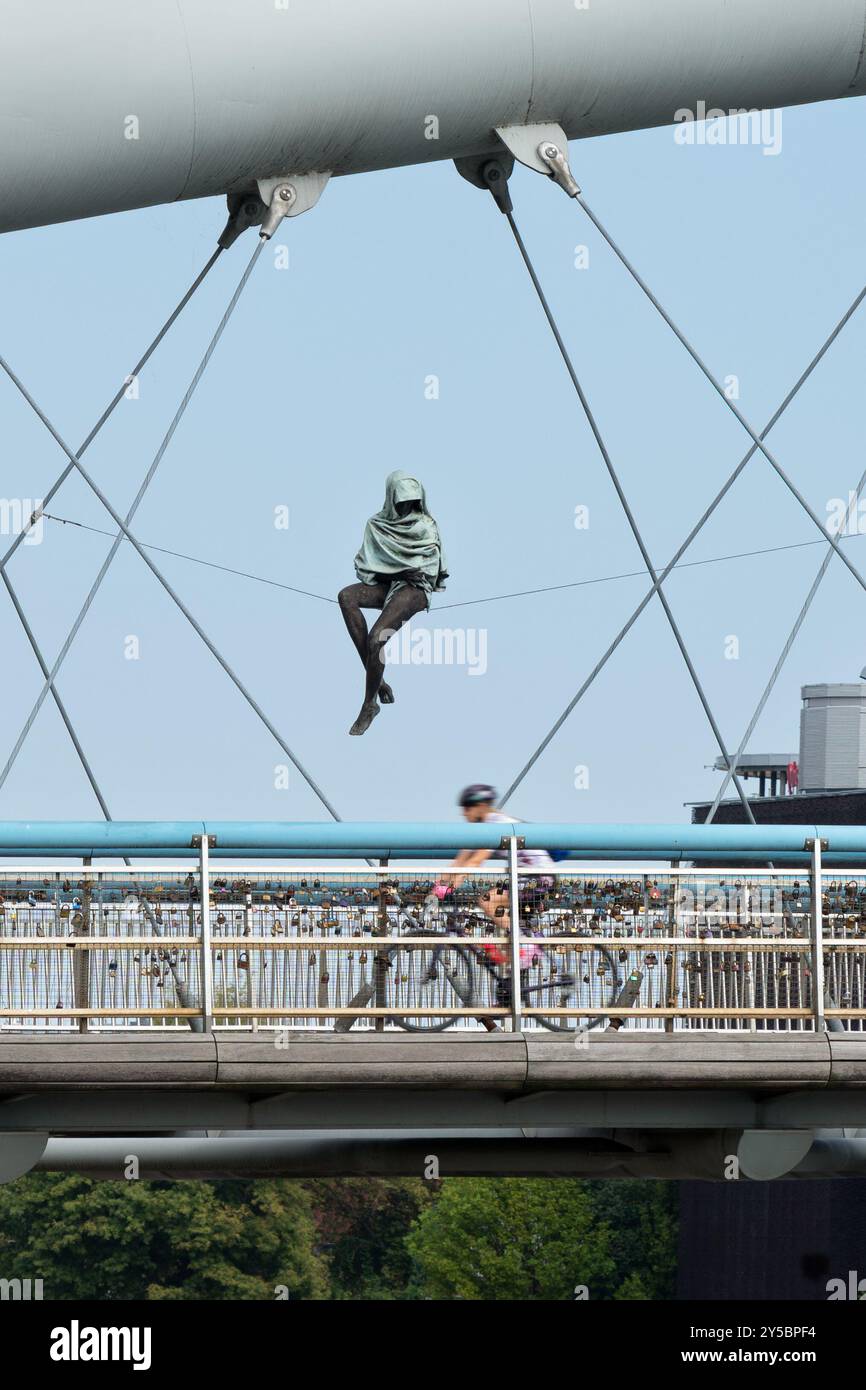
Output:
x,y
466,859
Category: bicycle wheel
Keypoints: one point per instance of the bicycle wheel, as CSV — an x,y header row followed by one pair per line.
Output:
x,y
434,976
590,978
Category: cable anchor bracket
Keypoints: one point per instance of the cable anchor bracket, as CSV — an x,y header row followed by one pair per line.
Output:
x,y
560,170
491,171
543,148
496,176
289,196
245,210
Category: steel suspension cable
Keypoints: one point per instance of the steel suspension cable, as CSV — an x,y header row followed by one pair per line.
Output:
x,y
600,665
88,771
632,522
113,403
720,390
51,675
445,607
39,511
28,631
198,629
783,657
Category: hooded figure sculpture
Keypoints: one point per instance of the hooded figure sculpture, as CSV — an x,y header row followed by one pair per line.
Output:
x,y
399,565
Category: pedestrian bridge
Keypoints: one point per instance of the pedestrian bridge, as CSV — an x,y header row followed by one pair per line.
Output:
x,y
210,997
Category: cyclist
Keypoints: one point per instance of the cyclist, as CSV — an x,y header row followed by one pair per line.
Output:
x,y
478,804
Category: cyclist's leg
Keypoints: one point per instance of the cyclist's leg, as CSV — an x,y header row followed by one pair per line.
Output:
x,y
488,902
495,906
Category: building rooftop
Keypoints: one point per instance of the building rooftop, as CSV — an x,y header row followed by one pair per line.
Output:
x,y
753,763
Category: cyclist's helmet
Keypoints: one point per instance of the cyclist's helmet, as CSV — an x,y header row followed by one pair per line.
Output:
x,y
477,795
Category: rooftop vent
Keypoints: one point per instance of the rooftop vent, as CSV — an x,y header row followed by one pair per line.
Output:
x,y
833,738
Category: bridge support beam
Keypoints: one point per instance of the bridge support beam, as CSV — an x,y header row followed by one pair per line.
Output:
x,y
650,1156
19,1153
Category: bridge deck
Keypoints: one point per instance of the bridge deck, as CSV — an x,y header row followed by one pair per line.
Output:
x,y
506,1063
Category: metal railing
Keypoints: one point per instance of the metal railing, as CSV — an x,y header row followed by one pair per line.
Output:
x,y
318,948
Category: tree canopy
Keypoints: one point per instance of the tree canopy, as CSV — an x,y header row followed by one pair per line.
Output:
x,y
511,1238
466,1238
150,1240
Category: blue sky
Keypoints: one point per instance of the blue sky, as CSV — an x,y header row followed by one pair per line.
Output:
x,y
317,391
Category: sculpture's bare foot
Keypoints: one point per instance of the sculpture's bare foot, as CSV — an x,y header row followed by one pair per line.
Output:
x,y
369,710
386,694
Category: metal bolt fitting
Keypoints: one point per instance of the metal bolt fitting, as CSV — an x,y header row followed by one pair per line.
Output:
x,y
557,163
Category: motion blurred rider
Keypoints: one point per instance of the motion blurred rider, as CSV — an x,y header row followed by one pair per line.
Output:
x,y
478,804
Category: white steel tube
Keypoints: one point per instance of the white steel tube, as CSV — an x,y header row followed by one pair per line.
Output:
x,y
107,106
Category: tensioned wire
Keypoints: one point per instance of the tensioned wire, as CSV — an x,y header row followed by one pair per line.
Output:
x,y
629,515
464,603
757,439
124,529
51,675
180,984
696,529
113,403
835,548
783,657
673,564
104,417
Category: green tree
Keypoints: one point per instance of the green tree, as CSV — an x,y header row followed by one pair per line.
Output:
x,y
362,1225
643,1224
153,1240
631,1289
510,1238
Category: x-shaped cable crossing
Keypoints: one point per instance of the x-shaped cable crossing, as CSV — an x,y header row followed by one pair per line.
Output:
x,y
658,579
124,532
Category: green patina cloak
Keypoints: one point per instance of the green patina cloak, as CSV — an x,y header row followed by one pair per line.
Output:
x,y
405,547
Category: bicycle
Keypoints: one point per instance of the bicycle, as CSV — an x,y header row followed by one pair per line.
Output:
x,y
460,974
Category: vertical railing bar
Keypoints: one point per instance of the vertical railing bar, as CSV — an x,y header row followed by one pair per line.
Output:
x,y
81,961
514,916
669,1023
380,964
248,922
816,847
673,915
206,966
